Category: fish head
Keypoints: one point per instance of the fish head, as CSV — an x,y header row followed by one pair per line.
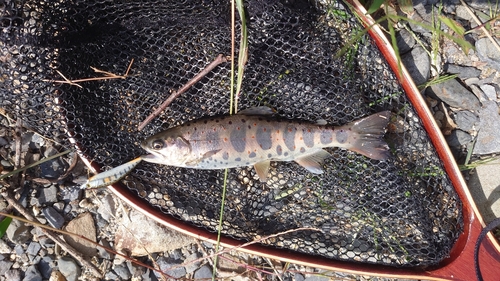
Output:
x,y
167,150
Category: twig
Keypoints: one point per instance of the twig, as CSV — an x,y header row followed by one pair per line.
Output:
x,y
476,19
52,236
108,75
220,59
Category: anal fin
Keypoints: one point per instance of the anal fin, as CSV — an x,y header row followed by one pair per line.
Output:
x,y
262,169
313,162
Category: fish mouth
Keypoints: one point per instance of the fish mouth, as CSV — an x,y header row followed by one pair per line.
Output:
x,y
149,157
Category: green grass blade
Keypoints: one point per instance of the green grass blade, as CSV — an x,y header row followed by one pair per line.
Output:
x,y
4,224
375,6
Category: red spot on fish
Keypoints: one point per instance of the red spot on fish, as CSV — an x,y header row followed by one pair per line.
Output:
x,y
225,139
254,124
264,129
238,128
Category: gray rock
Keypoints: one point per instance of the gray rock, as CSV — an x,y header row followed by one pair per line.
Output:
x,y
122,271
32,274
405,41
488,137
458,138
33,249
170,268
68,267
13,275
3,142
488,53
205,272
53,217
465,120
454,94
107,209
18,232
110,275
48,195
418,64
422,14
4,266
4,247
489,91
464,72
45,266
18,249
71,193
102,253
52,169
299,277
191,262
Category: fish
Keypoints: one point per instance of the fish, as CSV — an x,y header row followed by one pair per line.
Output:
x,y
255,136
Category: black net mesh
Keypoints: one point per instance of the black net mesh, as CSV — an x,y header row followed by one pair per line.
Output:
x,y
401,212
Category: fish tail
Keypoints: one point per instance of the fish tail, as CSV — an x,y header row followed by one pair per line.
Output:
x,y
366,135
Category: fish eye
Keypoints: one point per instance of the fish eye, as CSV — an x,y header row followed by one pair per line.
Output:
x,y
157,144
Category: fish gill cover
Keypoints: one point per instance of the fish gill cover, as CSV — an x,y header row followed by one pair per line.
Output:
x,y
401,212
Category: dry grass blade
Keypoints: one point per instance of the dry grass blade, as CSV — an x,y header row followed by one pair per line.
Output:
x,y
476,19
107,76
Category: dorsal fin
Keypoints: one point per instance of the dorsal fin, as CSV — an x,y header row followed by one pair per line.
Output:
x,y
257,110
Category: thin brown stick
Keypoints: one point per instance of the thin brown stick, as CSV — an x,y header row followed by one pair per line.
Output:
x,y
52,236
220,59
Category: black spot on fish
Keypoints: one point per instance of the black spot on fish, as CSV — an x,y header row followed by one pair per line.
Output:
x,y
263,137
341,136
225,155
243,120
326,136
205,121
279,150
237,138
230,122
308,137
238,159
302,150
289,137
252,155
285,154
269,155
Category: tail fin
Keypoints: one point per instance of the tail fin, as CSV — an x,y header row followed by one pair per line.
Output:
x,y
367,135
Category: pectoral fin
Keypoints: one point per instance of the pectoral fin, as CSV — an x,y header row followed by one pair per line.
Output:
x,y
208,154
314,161
262,169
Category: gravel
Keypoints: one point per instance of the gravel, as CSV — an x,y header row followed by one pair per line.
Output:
x,y
472,100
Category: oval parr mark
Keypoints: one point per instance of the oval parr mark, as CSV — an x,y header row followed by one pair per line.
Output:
x,y
308,137
263,137
252,155
326,136
289,137
342,136
237,138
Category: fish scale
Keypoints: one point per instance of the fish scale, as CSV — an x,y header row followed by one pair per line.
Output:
x,y
255,137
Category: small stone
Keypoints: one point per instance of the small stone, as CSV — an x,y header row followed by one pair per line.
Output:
x,y
53,217
122,271
45,266
418,64
488,136
32,274
71,193
190,263
205,272
458,138
488,53
465,120
18,232
107,209
489,91
48,195
454,94
68,267
58,206
3,142
110,275
52,169
33,248
13,275
4,247
299,277
317,278
4,266
405,41
464,72
102,253
83,225
170,268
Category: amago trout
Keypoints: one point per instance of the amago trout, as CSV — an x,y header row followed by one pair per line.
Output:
x,y
255,137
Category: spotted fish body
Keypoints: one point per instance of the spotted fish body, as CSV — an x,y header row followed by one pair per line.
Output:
x,y
254,137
